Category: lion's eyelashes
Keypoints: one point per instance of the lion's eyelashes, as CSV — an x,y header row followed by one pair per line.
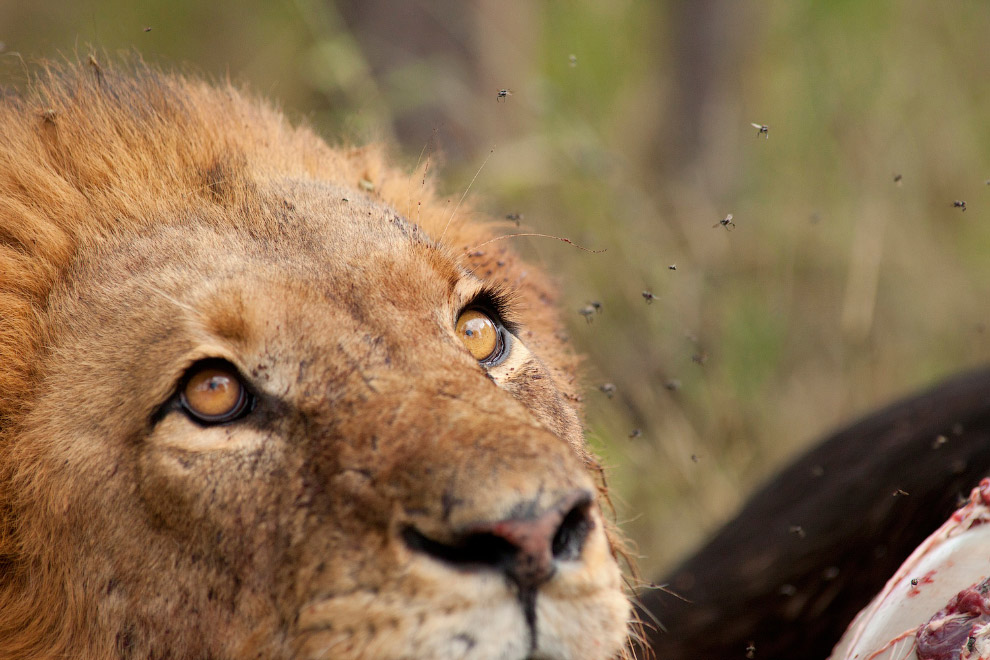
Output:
x,y
501,300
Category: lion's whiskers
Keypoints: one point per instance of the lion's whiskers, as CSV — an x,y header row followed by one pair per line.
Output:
x,y
466,190
636,639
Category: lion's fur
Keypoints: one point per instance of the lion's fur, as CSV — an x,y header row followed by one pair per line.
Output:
x,y
103,164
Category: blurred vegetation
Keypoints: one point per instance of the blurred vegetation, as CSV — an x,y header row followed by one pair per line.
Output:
x,y
628,128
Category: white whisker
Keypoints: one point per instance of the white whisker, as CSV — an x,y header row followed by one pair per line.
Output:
x,y
168,297
466,190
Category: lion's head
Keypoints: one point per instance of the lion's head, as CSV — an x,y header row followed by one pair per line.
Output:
x,y
264,398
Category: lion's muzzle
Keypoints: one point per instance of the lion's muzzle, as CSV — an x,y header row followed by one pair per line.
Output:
x,y
524,549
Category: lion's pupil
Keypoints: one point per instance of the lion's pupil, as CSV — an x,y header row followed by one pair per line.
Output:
x,y
478,332
213,392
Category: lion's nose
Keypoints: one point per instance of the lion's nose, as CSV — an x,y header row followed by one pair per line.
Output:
x,y
525,547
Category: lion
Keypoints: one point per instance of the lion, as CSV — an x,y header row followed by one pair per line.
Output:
x,y
263,397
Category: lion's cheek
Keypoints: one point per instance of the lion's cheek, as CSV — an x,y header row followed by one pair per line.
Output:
x,y
229,504
529,381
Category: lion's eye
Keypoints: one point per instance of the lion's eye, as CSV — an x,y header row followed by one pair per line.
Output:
x,y
214,394
480,333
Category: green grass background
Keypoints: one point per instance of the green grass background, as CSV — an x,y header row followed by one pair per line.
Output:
x,y
628,129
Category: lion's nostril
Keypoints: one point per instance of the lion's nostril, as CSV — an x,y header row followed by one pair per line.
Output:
x,y
525,549
467,551
574,528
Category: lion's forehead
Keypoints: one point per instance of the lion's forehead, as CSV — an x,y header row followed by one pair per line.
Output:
x,y
333,257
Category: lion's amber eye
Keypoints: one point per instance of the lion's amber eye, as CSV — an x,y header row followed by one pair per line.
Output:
x,y
214,394
480,334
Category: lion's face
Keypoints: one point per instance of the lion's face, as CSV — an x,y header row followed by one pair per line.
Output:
x,y
281,445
